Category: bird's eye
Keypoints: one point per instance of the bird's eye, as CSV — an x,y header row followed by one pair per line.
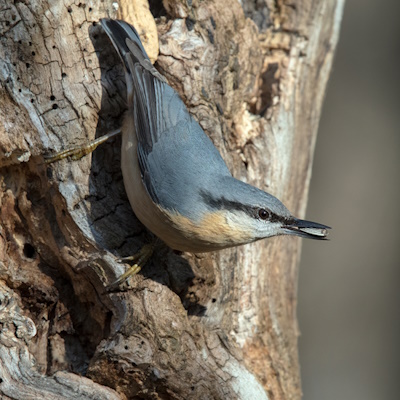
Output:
x,y
263,214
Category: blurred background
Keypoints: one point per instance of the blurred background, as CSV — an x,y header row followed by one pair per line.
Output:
x,y
349,289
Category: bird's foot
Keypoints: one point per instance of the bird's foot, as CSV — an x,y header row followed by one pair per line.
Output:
x,y
76,153
138,260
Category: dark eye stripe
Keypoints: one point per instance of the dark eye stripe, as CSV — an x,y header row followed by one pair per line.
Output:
x,y
225,204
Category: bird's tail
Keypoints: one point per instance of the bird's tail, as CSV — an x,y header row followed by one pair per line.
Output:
x,y
127,42
118,32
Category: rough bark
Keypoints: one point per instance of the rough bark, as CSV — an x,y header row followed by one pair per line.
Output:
x,y
213,326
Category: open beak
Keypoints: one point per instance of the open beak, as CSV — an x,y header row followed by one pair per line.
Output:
x,y
306,229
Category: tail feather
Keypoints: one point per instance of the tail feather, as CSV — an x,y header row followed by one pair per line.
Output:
x,y
127,42
119,32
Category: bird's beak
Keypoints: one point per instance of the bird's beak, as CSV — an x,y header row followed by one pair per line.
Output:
x,y
306,229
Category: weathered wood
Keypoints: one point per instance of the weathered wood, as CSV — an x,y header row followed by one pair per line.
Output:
x,y
212,326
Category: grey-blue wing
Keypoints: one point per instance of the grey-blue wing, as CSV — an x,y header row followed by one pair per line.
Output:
x,y
181,165
176,157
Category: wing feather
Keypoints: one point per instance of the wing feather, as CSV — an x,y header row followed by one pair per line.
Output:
x,y
174,153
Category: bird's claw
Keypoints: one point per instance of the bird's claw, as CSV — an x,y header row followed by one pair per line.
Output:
x,y
139,259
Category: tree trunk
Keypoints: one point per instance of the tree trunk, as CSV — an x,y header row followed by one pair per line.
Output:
x,y
207,326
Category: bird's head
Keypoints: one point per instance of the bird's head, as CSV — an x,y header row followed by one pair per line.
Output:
x,y
258,214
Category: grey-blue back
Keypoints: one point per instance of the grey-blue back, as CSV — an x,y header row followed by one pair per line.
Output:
x,y
176,158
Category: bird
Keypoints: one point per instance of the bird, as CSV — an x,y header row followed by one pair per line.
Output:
x,y
176,181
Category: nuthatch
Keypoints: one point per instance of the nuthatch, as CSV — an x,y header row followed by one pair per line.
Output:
x,y
176,180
